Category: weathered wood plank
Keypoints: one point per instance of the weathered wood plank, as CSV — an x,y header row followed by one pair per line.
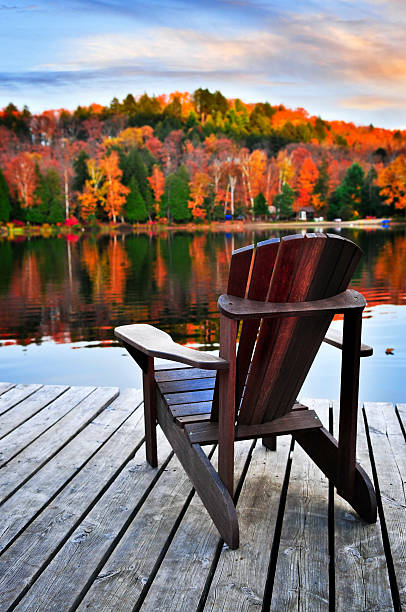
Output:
x,y
182,386
401,410
48,412
179,583
32,497
15,395
30,407
183,374
301,577
361,576
5,386
240,576
29,555
121,580
85,408
67,575
389,450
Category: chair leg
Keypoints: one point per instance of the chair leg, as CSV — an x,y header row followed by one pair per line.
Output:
x,y
207,482
269,442
320,445
149,386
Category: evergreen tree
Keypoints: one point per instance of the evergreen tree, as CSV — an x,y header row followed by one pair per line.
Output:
x,y
135,209
348,197
283,202
81,171
260,206
5,206
49,206
174,203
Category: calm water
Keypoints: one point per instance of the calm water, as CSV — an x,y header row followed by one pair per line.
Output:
x,y
61,299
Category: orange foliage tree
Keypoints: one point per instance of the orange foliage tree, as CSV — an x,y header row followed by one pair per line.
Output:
x,y
392,181
306,181
157,183
22,178
198,191
115,191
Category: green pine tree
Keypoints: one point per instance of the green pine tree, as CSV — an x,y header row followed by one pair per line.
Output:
x,y
283,202
135,209
348,197
260,206
174,204
81,172
5,206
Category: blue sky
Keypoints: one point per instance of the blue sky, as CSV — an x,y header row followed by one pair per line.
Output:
x,y
337,58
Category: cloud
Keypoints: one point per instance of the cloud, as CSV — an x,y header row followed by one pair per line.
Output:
x,y
370,102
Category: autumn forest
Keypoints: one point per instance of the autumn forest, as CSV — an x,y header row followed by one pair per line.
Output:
x,y
194,157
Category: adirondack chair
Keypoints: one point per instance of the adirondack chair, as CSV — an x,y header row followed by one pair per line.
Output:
x,y
281,297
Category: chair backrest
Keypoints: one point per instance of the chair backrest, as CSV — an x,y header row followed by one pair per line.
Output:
x,y
275,355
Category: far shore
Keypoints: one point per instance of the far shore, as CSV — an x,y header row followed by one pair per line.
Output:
x,y
10,230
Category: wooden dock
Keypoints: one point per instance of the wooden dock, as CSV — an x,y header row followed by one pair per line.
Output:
x,y
87,524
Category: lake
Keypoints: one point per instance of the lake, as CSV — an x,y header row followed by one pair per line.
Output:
x,y
60,299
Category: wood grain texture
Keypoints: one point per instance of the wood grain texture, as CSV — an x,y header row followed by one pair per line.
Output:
x,y
6,386
389,449
29,407
120,581
178,585
184,386
163,376
29,555
86,405
335,338
156,343
15,395
361,575
301,577
240,309
205,479
36,493
208,433
46,412
240,576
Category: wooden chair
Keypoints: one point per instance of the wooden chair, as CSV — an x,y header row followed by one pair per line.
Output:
x,y
281,297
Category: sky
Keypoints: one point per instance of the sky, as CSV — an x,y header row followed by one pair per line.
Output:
x,y
339,59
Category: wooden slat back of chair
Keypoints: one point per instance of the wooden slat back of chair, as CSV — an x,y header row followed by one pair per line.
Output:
x,y
273,362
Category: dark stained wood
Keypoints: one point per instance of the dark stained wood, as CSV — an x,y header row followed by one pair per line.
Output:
x,y
265,256
180,410
172,399
208,433
156,343
334,337
289,252
286,292
227,408
188,373
148,382
347,437
238,308
194,418
183,386
323,449
204,477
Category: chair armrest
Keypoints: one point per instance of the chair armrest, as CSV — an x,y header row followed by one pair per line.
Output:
x,y
157,343
335,338
241,308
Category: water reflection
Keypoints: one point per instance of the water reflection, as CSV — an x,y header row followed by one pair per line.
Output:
x,y
76,291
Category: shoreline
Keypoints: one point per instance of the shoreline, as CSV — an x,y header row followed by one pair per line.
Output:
x,y
11,231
